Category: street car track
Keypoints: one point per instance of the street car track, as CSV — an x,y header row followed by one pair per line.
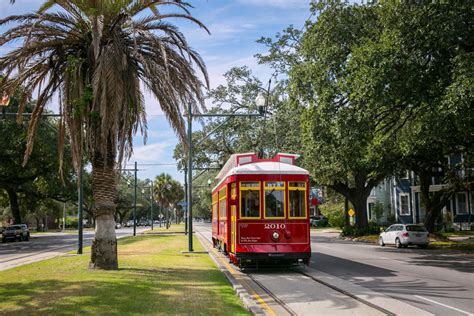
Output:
x,y
285,306
383,310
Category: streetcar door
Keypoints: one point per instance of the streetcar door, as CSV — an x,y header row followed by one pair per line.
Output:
x,y
233,233
233,216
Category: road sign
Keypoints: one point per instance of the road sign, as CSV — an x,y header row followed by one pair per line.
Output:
x,y
351,212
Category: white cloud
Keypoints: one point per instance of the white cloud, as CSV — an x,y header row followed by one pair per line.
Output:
x,y
153,152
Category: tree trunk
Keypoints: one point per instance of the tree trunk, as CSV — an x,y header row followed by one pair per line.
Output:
x,y
104,245
359,200
12,196
433,203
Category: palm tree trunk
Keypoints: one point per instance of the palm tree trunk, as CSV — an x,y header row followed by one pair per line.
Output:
x,y
104,245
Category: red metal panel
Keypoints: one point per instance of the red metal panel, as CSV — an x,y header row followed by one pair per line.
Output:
x,y
290,233
276,248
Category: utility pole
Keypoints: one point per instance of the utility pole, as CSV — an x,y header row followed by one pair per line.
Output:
x,y
79,215
186,195
135,203
261,102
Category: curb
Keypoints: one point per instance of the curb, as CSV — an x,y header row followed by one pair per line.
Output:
x,y
241,292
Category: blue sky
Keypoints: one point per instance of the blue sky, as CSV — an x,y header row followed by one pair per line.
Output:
x,y
235,25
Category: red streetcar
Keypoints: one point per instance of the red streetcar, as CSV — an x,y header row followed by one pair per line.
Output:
x,y
260,210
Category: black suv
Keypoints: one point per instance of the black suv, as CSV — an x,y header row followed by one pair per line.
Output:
x,y
19,232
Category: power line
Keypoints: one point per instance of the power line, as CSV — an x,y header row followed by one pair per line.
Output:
x,y
155,164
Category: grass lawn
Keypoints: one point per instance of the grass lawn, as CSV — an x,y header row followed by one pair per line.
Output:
x,y
435,243
174,228
368,238
462,233
154,278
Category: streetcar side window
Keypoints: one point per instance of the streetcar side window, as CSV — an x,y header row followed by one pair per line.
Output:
x,y
274,199
215,199
297,199
223,202
249,200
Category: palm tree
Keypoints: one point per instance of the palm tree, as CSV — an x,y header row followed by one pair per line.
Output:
x,y
95,55
168,192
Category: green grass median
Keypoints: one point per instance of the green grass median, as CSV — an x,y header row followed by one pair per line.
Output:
x,y
154,278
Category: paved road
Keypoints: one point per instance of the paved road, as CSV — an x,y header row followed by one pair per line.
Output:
x,y
437,282
44,246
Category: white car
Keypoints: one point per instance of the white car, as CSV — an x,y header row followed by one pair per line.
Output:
x,y
403,235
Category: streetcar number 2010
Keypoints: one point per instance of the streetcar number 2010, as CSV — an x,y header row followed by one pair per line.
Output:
x,y
275,226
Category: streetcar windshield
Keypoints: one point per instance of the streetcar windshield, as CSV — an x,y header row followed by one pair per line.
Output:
x,y
274,199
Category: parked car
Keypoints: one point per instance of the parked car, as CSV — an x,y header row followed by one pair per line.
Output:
x,y
320,221
118,225
403,235
14,232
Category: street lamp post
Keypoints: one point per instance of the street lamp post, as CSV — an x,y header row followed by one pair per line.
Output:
x,y
151,205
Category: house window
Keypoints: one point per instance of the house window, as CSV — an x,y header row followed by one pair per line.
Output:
x,y
371,208
461,203
404,204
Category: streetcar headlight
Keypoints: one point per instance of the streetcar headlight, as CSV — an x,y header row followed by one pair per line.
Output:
x,y
276,235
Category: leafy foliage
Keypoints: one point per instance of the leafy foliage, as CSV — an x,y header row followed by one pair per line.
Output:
x,y
341,147
31,187
354,231
334,212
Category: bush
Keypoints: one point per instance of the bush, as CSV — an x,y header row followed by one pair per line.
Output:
x,y
71,222
334,212
353,231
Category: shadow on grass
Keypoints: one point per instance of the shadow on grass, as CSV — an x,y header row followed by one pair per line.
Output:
x,y
127,291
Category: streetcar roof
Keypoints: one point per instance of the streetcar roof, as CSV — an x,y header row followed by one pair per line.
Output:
x,y
264,167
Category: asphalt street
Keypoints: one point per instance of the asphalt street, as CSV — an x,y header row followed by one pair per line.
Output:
x,y
438,282
47,245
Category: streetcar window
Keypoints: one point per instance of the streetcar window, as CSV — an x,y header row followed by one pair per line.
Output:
x,y
249,199
222,202
297,202
215,200
274,199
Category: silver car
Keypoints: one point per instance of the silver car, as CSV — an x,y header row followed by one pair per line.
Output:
x,y
403,235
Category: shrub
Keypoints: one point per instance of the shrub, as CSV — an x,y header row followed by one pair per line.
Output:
x,y
334,212
353,231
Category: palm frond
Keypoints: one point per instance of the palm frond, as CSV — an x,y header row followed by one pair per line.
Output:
x,y
97,55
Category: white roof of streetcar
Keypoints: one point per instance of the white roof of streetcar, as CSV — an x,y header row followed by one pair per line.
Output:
x,y
259,167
